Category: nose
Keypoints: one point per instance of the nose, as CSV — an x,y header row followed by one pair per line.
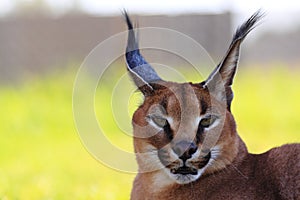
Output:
x,y
185,149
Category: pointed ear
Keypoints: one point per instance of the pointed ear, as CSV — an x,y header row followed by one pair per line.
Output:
x,y
220,80
140,70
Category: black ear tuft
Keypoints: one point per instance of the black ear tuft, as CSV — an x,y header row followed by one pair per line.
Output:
x,y
140,70
248,26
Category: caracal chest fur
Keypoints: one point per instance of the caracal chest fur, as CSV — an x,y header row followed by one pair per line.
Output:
x,y
186,142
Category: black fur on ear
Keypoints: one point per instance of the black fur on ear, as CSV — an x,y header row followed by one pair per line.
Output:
x,y
222,76
140,70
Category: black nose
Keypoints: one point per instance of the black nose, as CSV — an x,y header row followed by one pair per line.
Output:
x,y
185,149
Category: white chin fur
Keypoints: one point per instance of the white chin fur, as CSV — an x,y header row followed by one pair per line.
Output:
x,y
184,179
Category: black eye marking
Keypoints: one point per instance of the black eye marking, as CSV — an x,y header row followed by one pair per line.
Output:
x,y
199,135
168,131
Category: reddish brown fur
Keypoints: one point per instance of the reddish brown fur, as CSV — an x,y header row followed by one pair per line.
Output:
x,y
186,142
265,176
272,175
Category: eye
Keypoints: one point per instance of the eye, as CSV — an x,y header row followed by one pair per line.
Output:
x,y
159,121
207,121
162,123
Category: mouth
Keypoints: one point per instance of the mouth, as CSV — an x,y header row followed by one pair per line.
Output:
x,y
185,170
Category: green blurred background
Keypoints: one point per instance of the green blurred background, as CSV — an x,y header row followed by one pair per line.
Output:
x,y
42,156
42,48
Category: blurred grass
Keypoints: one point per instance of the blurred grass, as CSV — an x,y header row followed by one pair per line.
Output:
x,y
42,157
266,106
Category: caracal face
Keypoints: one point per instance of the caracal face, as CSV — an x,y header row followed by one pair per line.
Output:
x,y
184,132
